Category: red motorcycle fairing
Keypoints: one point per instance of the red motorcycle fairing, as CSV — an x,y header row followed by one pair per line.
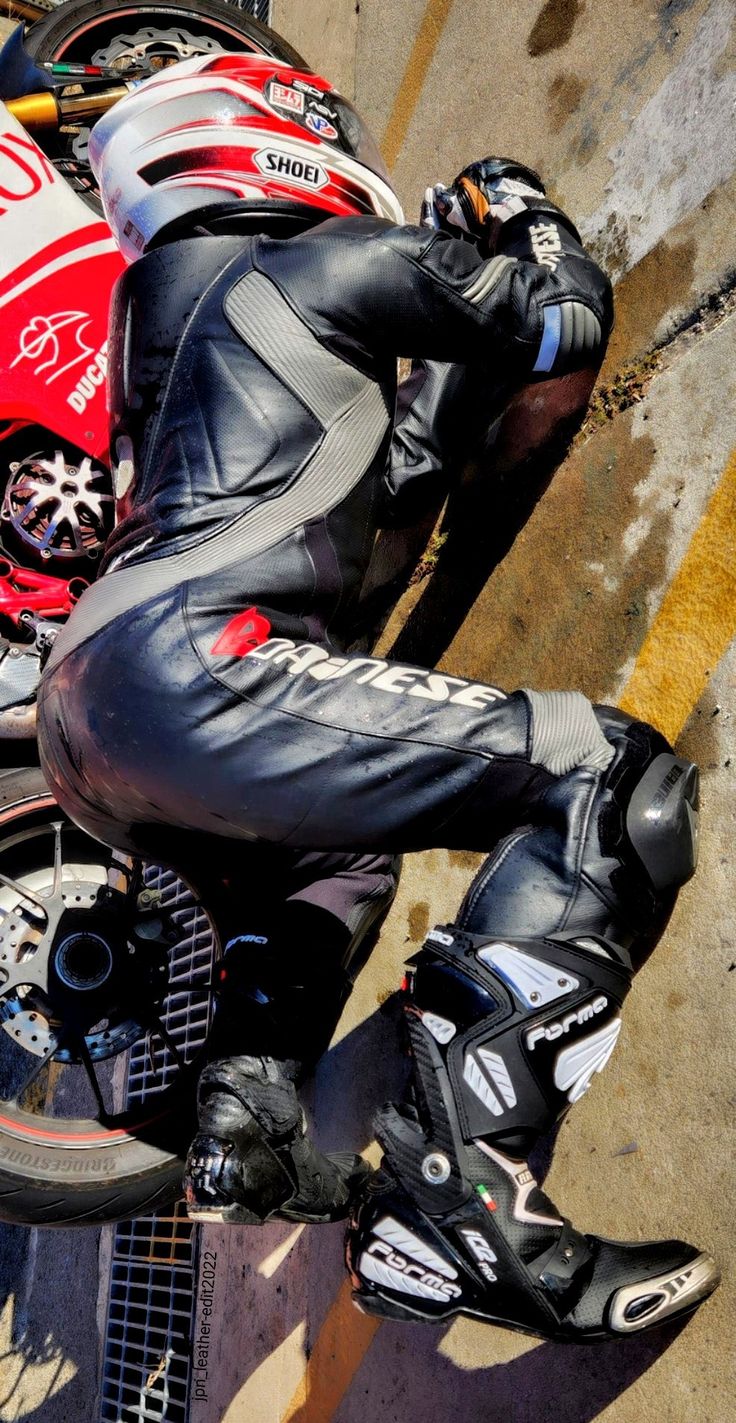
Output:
x,y
58,263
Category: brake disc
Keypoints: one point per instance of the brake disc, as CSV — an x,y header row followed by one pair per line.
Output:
x,y
24,1014
149,49
157,47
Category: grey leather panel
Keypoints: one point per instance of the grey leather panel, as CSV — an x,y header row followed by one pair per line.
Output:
x,y
256,309
347,403
487,278
565,733
580,330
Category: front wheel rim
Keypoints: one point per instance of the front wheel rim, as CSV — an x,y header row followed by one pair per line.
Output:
x,y
144,1079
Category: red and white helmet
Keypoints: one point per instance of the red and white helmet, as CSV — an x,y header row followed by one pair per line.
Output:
x,y
234,128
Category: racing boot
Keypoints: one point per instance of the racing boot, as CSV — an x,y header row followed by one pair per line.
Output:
x,y
505,1035
510,1017
252,1159
281,992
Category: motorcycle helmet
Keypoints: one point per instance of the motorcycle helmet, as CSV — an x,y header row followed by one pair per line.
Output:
x,y
210,132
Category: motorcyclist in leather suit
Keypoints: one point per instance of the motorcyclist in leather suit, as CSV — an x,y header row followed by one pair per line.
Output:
x,y
203,690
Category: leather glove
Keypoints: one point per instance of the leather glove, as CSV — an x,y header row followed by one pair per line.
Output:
x,y
484,196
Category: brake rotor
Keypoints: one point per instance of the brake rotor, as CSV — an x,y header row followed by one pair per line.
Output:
x,y
25,1015
154,49
58,509
150,50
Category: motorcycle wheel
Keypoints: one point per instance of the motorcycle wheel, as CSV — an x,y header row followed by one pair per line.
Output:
x,y
95,1113
124,35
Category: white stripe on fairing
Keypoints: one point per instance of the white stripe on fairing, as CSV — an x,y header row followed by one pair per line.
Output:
x,y
80,254
53,212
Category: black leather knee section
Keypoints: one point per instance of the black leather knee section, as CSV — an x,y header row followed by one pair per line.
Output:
x,y
608,842
650,802
662,820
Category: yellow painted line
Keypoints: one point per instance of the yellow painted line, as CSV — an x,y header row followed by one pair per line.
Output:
x,y
342,1343
428,37
687,639
695,623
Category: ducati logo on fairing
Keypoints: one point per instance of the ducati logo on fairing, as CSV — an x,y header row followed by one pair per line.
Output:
x,y
559,1026
412,1270
277,164
93,380
484,1256
41,341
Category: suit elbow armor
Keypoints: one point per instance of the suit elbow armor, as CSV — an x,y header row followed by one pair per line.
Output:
x,y
574,308
572,336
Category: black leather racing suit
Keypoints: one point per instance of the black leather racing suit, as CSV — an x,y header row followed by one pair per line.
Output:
x,y
201,687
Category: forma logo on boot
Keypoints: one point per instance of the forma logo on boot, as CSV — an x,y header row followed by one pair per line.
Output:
x,y
558,1026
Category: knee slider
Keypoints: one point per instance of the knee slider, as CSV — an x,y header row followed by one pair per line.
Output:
x,y
662,820
656,794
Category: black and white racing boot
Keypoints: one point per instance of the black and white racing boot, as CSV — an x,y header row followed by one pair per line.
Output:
x,y
505,1035
252,1159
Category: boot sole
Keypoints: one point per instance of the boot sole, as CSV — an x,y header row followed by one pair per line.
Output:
x,y
223,1215
240,1215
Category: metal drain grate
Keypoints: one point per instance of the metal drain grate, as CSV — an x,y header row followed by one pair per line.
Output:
x,y
151,1066
149,1320
147,1346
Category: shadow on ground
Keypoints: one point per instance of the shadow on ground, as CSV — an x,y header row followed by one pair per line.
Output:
x,y
548,1383
486,510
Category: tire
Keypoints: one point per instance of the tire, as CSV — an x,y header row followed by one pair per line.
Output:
x,y
47,1176
81,32
54,36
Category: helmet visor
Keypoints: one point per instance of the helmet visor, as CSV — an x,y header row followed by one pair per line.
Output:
x,y
333,119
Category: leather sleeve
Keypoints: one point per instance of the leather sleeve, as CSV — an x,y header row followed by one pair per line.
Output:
x,y
372,291
445,411
539,306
